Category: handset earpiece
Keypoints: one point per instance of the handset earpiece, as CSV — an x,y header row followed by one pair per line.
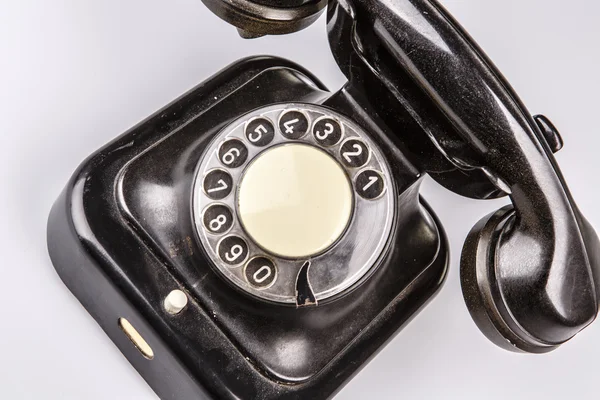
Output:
x,y
255,18
531,271
522,291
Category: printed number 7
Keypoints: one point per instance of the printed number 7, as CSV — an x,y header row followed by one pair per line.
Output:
x,y
223,186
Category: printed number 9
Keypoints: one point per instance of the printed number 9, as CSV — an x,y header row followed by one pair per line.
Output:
x,y
236,252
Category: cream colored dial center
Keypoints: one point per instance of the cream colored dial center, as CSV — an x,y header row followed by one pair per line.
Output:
x,y
295,200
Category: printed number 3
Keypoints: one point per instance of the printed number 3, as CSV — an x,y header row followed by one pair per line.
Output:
x,y
328,131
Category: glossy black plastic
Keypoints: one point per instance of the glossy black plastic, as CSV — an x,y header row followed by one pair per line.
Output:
x,y
418,69
255,18
543,263
121,236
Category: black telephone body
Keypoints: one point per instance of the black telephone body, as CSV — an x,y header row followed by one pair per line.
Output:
x,y
184,237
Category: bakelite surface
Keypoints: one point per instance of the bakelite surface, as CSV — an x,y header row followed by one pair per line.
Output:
x,y
125,218
544,262
121,235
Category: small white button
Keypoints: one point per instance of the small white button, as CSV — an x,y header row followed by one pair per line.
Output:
x,y
175,302
295,200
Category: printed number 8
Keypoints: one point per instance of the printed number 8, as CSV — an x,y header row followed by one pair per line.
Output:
x,y
217,223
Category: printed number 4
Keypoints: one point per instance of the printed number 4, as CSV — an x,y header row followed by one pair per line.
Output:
x,y
289,126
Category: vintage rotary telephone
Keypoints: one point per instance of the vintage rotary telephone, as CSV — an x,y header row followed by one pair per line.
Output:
x,y
261,237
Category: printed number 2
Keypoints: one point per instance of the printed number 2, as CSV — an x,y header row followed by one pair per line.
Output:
x,y
356,153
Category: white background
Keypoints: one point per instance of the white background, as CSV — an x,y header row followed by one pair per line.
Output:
x,y
75,74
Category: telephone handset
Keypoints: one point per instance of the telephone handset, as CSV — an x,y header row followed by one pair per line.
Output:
x,y
262,237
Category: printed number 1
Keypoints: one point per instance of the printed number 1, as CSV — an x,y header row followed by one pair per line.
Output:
x,y
372,181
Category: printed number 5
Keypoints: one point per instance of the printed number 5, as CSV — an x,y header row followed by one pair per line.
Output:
x,y
260,130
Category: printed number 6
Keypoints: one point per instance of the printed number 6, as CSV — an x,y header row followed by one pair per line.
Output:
x,y
230,156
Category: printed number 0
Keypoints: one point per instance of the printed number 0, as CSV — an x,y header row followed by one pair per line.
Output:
x,y
230,156
217,223
236,252
356,153
329,129
260,130
265,270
